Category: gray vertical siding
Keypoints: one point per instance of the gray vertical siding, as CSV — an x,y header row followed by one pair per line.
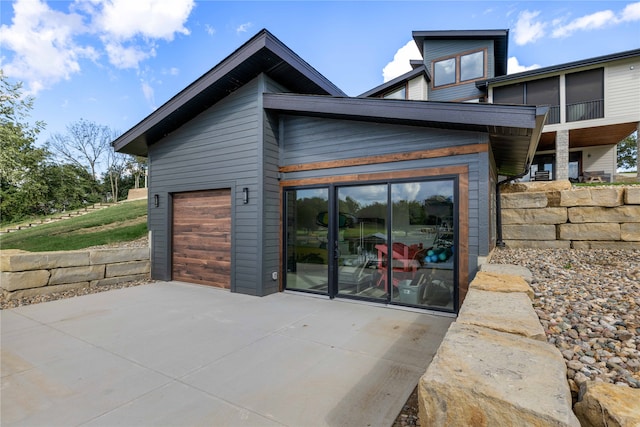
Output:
x,y
444,48
216,149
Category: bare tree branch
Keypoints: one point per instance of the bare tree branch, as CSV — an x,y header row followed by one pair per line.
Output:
x,y
84,144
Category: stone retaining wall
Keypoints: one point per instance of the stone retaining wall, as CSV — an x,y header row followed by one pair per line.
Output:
x,y
26,274
494,366
579,218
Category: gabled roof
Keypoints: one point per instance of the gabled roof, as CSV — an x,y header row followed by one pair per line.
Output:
x,y
388,86
263,53
500,42
514,131
480,84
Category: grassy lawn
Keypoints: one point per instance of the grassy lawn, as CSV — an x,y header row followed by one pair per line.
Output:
x,y
123,222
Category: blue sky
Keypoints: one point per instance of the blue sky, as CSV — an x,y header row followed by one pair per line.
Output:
x,y
115,61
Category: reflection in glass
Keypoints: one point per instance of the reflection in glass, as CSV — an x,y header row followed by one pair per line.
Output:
x,y
444,72
422,244
362,226
472,66
306,239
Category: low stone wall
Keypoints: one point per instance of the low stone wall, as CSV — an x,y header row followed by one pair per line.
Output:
x,y
26,274
494,366
579,218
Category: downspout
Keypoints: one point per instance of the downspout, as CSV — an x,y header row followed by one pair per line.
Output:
x,y
499,242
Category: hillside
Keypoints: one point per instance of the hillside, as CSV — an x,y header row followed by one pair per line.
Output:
x,y
119,223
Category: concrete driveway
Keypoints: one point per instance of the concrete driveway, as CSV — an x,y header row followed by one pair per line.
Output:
x,y
178,354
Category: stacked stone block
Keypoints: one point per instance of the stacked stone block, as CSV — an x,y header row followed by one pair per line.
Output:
x,y
494,366
584,218
26,274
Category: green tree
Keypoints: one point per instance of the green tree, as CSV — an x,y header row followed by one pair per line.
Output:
x,y
21,186
628,152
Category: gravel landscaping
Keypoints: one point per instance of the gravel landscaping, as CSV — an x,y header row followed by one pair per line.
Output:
x,y
589,305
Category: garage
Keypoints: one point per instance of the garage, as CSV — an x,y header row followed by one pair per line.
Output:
x,y
201,239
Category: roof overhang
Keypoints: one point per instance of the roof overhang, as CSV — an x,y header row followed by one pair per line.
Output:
x,y
263,53
514,131
391,84
556,69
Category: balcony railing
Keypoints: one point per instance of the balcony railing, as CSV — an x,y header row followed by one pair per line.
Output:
x,y
554,115
585,110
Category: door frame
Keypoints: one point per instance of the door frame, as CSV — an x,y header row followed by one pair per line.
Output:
x,y
459,174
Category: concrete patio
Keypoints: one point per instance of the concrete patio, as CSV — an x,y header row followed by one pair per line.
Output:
x,y
178,354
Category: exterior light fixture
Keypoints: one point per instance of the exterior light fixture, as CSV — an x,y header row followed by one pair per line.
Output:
x,y
156,200
245,195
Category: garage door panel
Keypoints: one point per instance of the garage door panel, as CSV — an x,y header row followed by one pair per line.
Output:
x,y
202,237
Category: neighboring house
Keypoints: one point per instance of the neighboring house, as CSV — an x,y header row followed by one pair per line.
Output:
x,y
593,103
264,176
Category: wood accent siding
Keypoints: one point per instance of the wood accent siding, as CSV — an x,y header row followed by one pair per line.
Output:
x,y
388,158
201,244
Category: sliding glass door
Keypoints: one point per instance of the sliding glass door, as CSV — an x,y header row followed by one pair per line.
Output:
x,y
362,230
306,235
391,242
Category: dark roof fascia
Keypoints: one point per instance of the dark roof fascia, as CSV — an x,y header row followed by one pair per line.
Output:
x,y
415,63
262,40
452,115
514,130
481,84
420,36
388,86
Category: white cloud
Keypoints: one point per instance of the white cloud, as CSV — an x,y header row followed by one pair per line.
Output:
x,y
243,28
127,57
153,19
587,22
514,66
209,29
173,71
597,20
630,13
149,94
43,46
400,63
42,40
527,29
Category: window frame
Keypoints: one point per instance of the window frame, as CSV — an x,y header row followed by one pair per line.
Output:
x,y
458,65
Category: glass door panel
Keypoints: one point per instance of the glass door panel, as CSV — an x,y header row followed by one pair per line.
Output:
x,y
307,240
422,244
360,238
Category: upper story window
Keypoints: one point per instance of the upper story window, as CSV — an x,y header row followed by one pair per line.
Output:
x,y
398,93
459,68
472,66
535,92
585,95
444,72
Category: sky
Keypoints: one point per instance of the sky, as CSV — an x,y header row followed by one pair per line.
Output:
x,y
114,62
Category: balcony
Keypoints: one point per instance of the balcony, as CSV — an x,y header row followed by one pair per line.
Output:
x,y
554,115
587,110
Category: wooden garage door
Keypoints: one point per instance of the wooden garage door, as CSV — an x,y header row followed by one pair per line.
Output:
x,y
202,237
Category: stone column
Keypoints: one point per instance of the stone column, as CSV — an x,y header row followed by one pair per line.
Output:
x,y
562,155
